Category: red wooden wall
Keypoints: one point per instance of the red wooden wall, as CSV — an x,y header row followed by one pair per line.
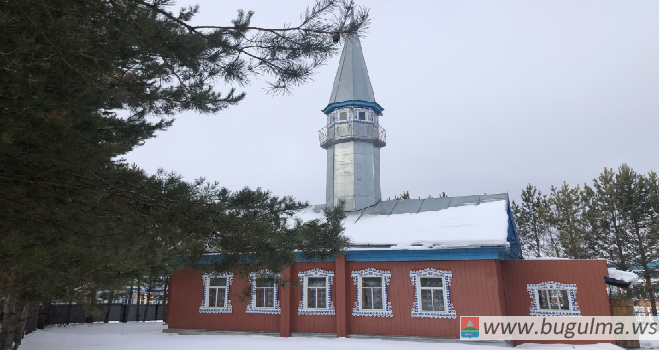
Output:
x,y
478,288
588,275
475,290
186,293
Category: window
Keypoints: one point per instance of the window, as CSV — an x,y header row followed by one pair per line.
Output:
x,y
343,115
552,298
639,313
432,294
216,293
650,313
265,292
316,292
264,298
372,293
362,115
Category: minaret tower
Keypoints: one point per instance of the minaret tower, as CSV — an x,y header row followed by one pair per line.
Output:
x,y
353,138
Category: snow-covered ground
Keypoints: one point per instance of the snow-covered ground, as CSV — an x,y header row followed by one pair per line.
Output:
x,y
141,336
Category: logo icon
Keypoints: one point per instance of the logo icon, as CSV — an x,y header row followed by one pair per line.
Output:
x,y
469,327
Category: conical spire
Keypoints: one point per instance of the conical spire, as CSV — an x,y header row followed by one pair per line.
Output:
x,y
352,80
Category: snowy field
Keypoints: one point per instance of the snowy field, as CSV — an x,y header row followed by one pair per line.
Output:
x,y
141,336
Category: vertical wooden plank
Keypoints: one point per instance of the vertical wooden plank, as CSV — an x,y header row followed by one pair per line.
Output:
x,y
285,304
340,296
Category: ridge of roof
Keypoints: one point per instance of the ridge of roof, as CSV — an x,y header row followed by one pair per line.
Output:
x,y
416,206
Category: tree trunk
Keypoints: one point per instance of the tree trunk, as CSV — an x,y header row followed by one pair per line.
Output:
x,y
92,305
165,299
20,327
8,324
68,311
33,315
137,307
124,317
44,316
146,307
106,319
647,273
621,264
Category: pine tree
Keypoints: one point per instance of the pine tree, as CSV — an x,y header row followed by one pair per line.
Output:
x,y
594,221
531,224
638,198
73,215
566,208
404,195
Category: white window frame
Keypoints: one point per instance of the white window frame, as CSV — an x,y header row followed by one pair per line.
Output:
x,y
329,278
252,305
387,305
638,316
535,309
348,115
415,279
226,309
368,117
650,314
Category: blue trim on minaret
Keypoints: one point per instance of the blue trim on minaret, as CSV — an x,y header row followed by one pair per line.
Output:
x,y
373,105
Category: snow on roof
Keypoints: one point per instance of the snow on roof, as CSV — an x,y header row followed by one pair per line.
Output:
x,y
432,223
625,276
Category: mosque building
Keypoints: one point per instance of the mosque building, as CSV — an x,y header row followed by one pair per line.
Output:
x,y
415,266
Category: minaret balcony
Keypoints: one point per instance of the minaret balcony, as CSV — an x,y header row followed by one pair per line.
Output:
x,y
352,131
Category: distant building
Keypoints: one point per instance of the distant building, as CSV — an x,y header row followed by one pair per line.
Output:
x,y
416,265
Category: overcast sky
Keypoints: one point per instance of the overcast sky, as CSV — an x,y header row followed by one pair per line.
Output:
x,y
479,97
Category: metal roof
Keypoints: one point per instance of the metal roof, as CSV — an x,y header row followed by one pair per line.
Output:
x,y
444,222
414,206
352,80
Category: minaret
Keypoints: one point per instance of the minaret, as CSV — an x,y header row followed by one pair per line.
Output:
x,y
352,137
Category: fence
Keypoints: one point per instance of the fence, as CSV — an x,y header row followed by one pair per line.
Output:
x,y
349,130
60,314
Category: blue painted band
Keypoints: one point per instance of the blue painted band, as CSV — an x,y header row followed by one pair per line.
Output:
x,y
485,253
482,253
373,105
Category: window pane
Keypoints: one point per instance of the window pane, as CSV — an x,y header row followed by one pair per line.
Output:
x,y
265,282
372,282
367,300
221,297
427,300
438,300
563,299
431,282
543,300
270,297
316,282
212,296
554,299
216,282
311,298
260,297
362,115
343,116
321,302
378,298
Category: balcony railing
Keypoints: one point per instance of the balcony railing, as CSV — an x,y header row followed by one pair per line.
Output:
x,y
349,130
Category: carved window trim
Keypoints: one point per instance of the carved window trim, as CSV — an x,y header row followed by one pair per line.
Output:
x,y
252,308
329,277
357,280
571,291
446,276
207,281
